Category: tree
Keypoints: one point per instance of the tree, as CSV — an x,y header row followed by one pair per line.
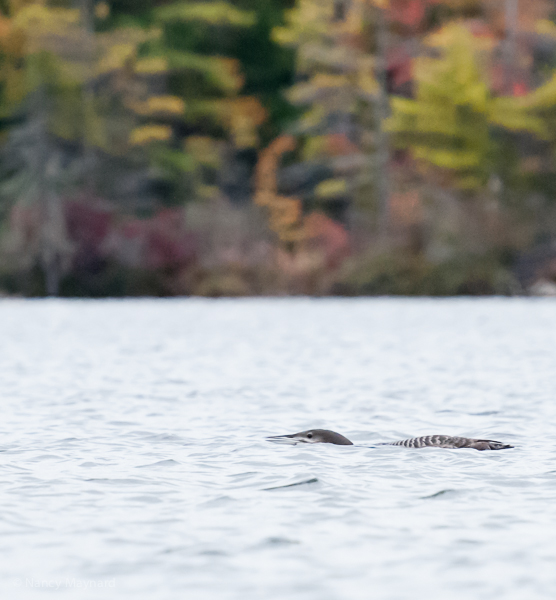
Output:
x,y
130,101
336,45
449,125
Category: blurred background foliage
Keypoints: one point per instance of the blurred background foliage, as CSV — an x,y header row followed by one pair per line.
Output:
x,y
240,147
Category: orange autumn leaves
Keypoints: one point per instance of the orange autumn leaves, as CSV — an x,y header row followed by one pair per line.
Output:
x,y
285,213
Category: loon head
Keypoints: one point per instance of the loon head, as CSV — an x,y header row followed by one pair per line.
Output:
x,y
312,436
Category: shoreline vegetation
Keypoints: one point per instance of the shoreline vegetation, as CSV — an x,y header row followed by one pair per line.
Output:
x,y
289,147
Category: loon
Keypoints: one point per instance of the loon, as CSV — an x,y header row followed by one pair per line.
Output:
x,y
325,436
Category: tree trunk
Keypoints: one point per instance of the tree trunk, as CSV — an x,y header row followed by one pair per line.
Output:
x,y
88,95
53,238
382,110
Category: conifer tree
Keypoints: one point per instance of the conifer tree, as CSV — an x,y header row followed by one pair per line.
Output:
x,y
337,85
138,99
449,125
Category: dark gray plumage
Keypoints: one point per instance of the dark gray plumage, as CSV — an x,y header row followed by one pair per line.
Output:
x,y
312,436
325,436
447,441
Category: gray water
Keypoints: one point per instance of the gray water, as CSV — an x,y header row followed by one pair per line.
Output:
x,y
133,461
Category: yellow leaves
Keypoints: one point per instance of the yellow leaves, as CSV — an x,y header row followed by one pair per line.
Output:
x,y
205,150
42,18
312,117
240,116
331,188
226,72
319,20
75,55
127,35
319,86
222,72
245,115
311,19
338,72
543,98
456,34
448,124
455,75
533,112
99,84
150,133
355,19
215,13
449,158
510,114
36,42
326,80
455,80
151,65
116,50
166,104
35,27
116,58
159,105
312,55
545,27
314,147
366,81
102,10
402,108
284,36
310,11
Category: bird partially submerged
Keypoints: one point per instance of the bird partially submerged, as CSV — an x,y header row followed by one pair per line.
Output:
x,y
312,436
325,436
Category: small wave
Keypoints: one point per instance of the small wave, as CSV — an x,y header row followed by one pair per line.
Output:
x,y
289,485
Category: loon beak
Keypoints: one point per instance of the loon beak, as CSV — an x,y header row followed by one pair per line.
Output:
x,y
283,439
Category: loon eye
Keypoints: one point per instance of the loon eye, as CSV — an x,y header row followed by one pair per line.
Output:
x,y
309,435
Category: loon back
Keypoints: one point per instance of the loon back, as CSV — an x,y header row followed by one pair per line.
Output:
x,y
325,436
447,441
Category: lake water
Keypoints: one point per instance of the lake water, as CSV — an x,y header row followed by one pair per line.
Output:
x,y
134,466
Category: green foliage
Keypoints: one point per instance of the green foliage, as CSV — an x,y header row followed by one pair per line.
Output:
x,y
151,103
212,13
449,125
220,74
336,91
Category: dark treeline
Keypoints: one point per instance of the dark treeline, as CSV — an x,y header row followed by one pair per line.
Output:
x,y
279,147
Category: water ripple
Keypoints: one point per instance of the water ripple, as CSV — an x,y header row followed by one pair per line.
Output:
x,y
133,461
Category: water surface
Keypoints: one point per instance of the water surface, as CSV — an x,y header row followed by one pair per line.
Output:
x,y
133,462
